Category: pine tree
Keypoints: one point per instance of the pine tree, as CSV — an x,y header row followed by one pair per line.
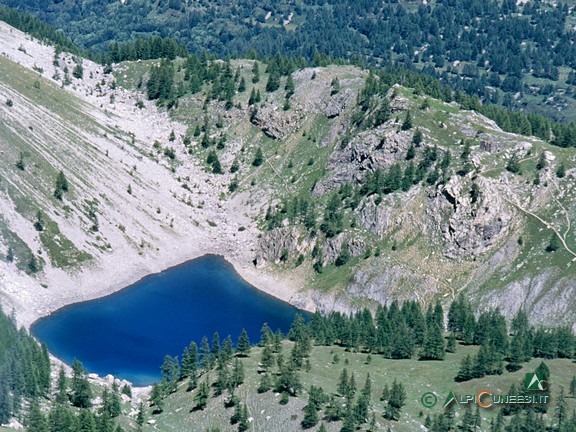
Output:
x,y
242,85
61,388
465,372
554,243
433,348
385,393
541,164
189,364
407,123
237,415
265,383
343,382
215,348
141,416
238,373
417,137
5,400
255,73
61,185
561,170
205,354
81,396
201,398
451,345
87,422
243,424
258,158
411,152
310,416
157,398
335,86
39,224
20,164
243,345
10,255
396,401
61,419
273,83
513,165
36,421
289,87
252,98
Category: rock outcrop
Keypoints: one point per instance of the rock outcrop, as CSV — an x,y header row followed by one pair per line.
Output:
x,y
469,226
276,124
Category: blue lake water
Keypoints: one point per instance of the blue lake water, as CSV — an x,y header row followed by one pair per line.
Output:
x,y
128,333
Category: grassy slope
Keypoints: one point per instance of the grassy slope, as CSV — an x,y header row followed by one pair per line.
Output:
x,y
418,377
17,135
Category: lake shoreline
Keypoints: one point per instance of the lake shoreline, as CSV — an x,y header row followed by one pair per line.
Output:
x,y
31,301
202,295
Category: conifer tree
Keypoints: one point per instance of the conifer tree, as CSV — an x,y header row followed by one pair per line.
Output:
x,y
265,383
205,354
237,373
407,123
141,416
157,398
273,83
60,418
396,401
335,86
243,345
343,382
258,158
243,424
201,398
310,416
215,348
61,388
289,87
417,137
433,348
465,372
541,164
81,396
189,364
242,85
255,73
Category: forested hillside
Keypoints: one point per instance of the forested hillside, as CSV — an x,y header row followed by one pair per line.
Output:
x,y
365,371
520,55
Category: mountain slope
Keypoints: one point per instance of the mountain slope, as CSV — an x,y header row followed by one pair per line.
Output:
x,y
99,237
355,190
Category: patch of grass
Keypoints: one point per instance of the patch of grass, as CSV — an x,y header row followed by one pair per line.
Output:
x,y
62,252
418,377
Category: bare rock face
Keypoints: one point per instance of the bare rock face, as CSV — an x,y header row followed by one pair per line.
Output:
x,y
275,124
376,217
337,104
489,146
273,243
332,247
383,282
398,102
469,228
370,150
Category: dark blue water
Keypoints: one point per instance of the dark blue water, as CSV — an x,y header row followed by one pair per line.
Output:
x,y
128,333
